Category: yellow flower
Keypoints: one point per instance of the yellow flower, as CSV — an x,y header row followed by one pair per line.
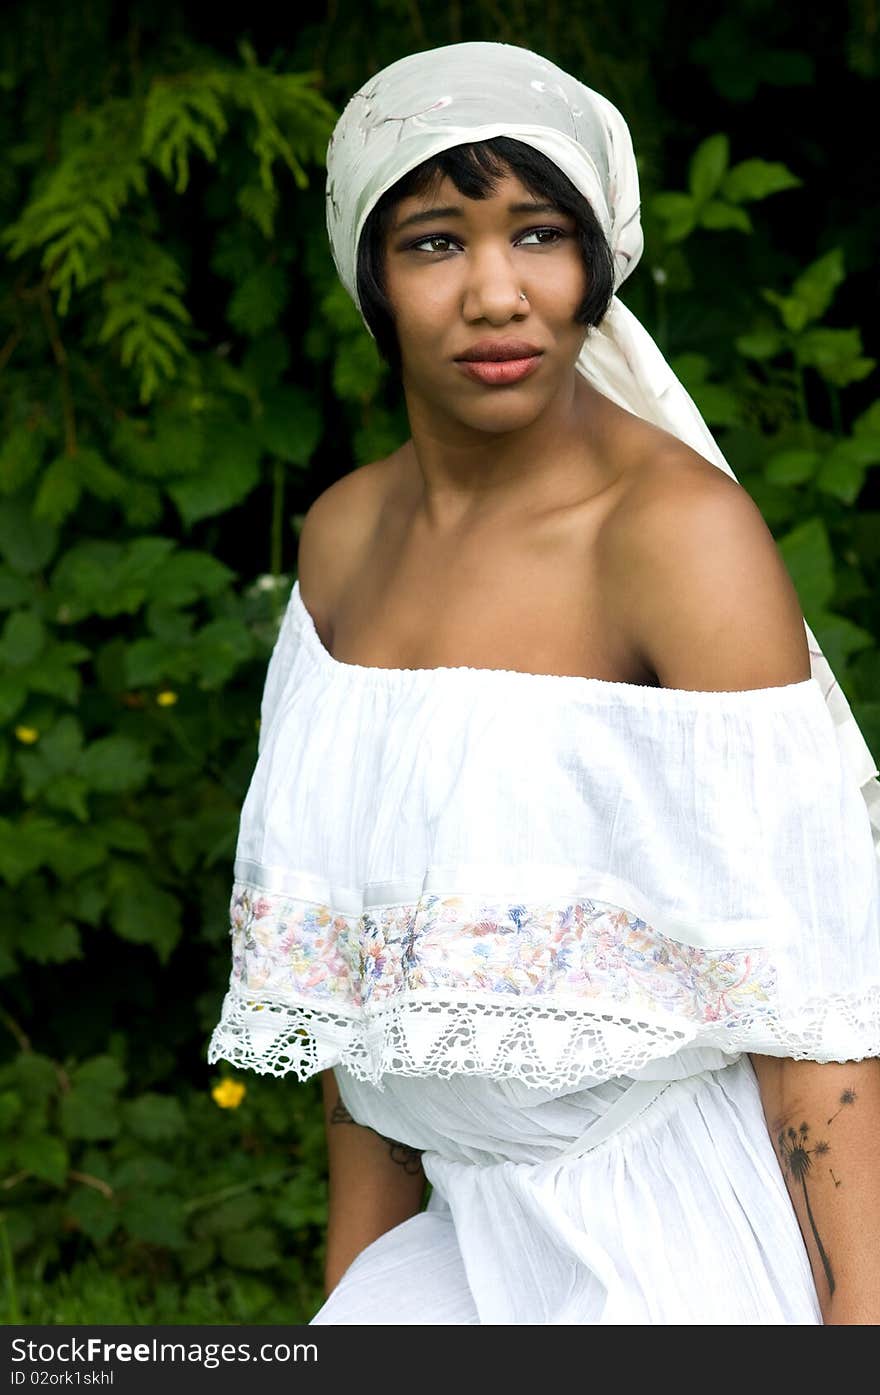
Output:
x,y
166,698
27,734
229,1093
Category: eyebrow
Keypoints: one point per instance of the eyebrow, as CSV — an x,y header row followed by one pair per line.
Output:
x,y
430,215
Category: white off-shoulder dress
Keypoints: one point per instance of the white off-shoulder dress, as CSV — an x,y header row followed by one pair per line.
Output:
x,y
536,924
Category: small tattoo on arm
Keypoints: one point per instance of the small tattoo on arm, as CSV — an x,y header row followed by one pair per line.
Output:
x,y
410,1159
797,1160
846,1097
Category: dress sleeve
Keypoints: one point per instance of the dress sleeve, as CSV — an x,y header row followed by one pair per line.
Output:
x,y
792,820
280,663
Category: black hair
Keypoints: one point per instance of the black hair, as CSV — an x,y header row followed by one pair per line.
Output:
x,y
475,170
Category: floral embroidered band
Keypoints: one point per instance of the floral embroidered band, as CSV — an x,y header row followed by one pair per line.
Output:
x,y
548,991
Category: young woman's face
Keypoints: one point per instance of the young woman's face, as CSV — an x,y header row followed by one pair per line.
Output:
x,y
454,272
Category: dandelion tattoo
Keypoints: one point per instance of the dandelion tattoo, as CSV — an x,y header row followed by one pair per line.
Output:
x,y
798,1160
846,1097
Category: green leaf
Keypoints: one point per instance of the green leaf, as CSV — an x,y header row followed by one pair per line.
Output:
x,y
90,1109
806,552
36,1077
843,470
238,1213
358,369
756,179
143,1172
156,1218
760,344
89,1114
836,353
100,1073
141,911
719,405
45,1156
14,590
868,424
708,166
220,648
301,1202
188,576
792,466
60,489
10,1108
24,636
289,426
115,763
678,212
252,1249
258,302
815,287
93,1213
231,471
719,216
840,638
20,456
266,359
54,941
155,1118
26,543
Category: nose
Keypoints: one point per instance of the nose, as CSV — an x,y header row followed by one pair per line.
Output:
x,y
492,289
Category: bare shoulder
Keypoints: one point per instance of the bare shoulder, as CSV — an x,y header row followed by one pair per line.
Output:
x,y
334,532
698,582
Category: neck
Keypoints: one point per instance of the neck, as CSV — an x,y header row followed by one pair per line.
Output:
x,y
461,473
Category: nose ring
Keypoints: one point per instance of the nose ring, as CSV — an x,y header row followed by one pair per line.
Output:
x,y
523,296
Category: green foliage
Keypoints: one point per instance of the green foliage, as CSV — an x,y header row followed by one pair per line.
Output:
x,y
161,1185
181,373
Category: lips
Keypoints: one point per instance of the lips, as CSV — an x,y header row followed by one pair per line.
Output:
x,y
496,362
498,372
498,351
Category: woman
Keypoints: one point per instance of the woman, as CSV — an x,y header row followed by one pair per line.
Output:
x,y
557,859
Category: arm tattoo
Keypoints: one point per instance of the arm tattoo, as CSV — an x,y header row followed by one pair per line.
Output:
x,y
410,1159
797,1161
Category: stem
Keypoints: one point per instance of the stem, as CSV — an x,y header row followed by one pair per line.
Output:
x,y
822,1255
59,353
10,346
18,1032
9,1272
196,1203
836,416
89,1181
806,424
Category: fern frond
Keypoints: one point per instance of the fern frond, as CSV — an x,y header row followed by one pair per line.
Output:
x,y
182,111
74,206
293,122
142,294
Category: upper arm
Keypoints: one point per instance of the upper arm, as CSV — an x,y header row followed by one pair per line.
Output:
x,y
702,588
332,533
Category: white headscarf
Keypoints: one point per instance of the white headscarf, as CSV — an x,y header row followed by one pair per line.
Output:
x,y
426,103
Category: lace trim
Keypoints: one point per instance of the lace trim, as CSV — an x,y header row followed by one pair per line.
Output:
x,y
539,1043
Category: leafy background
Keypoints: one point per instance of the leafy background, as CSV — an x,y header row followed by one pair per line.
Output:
x,y
181,374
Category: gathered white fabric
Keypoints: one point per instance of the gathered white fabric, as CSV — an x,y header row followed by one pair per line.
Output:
x,y
548,878
427,102
680,1217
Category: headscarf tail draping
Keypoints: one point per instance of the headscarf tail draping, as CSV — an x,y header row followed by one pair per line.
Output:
x,y
427,102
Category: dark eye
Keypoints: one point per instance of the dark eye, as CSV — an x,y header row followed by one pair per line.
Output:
x,y
555,235
438,237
